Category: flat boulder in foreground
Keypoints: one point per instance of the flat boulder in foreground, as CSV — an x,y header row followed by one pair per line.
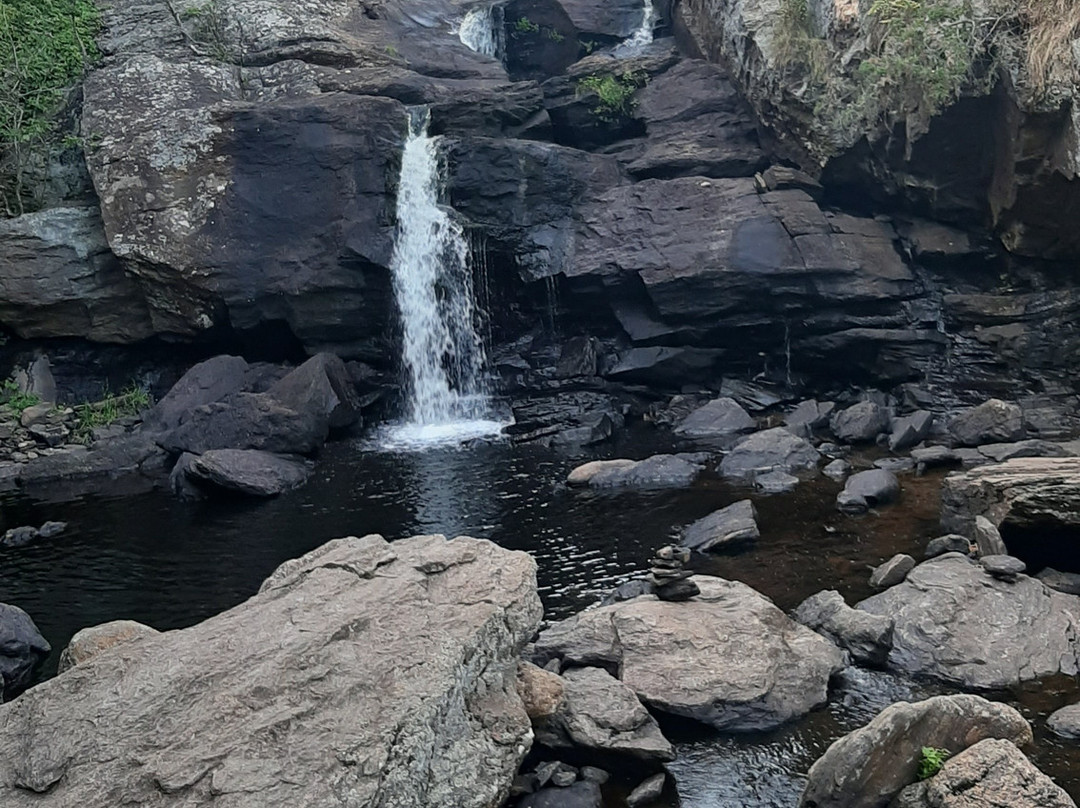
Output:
x,y
362,674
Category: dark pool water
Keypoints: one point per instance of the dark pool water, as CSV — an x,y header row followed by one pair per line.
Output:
x,y
170,564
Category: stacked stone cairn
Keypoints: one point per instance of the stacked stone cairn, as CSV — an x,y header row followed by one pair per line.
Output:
x,y
666,572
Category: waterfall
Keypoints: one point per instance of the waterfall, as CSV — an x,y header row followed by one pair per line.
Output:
x,y
477,31
442,352
642,37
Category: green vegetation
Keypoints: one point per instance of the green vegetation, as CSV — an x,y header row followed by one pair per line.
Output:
x,y
553,35
208,34
523,25
111,408
931,760
796,44
45,45
14,399
614,94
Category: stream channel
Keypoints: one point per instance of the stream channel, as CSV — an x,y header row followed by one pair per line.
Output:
x,y
169,564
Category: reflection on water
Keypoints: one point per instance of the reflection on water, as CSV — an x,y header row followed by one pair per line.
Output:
x,y
170,564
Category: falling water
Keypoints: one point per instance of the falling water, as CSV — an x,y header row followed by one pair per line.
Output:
x,y
478,31
442,351
642,37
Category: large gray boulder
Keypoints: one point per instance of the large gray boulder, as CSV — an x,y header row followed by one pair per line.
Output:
x,y
993,421
765,451
992,772
728,527
868,489
22,648
860,422
718,418
602,714
957,623
658,471
867,768
727,657
364,673
1025,492
209,381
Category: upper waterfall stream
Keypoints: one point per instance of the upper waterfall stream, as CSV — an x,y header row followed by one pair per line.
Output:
x,y
442,351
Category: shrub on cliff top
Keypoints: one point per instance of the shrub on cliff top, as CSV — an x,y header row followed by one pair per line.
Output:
x,y
44,47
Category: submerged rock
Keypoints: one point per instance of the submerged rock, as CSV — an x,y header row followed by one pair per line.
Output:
x,y
658,471
728,657
248,471
444,620
992,772
731,526
957,623
22,649
867,768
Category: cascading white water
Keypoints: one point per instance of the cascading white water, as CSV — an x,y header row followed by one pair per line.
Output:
x,y
477,31
642,37
442,351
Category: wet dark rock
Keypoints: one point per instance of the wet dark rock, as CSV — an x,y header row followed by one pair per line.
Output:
x,y
933,457
718,418
248,471
18,536
648,793
1025,492
727,657
662,365
600,713
868,489
1067,582
563,778
809,415
1003,567
207,382
181,478
771,449
582,794
988,773
993,421
892,571
860,423
320,386
132,454
870,766
572,418
22,648
867,637
594,775
1065,723
728,527
951,543
775,482
910,430
579,356
956,623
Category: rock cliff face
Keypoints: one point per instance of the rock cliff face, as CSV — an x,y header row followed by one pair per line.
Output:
x,y
362,674
246,157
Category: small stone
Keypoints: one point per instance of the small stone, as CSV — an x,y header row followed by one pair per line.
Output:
x,y
629,590
896,465
1003,567
663,577
648,792
34,414
541,691
18,536
951,543
545,771
776,482
523,784
892,572
988,538
1065,723
678,591
563,778
594,775
837,469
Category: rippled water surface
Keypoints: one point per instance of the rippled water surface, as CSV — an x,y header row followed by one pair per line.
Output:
x,y
170,564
